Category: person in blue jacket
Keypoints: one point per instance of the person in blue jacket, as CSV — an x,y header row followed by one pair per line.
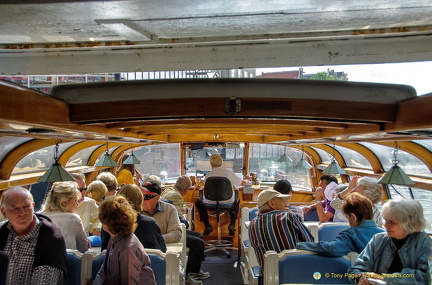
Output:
x,y
358,210
402,255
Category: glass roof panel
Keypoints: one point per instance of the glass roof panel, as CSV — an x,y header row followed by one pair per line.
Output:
x,y
9,143
325,156
408,162
40,159
353,158
81,157
425,143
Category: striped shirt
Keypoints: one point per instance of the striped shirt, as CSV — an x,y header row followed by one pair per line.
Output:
x,y
276,230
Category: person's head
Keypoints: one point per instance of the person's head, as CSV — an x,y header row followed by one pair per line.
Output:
x,y
403,217
109,180
272,199
357,208
133,194
63,197
152,178
283,186
117,216
151,192
369,187
216,160
97,190
183,184
18,207
82,187
326,179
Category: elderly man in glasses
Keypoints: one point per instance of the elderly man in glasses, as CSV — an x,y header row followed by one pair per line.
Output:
x,y
167,219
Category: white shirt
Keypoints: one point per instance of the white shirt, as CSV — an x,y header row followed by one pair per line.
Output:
x,y
72,229
88,211
235,182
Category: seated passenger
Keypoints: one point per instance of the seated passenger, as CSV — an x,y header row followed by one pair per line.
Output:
x,y
126,261
127,174
87,208
33,242
147,231
339,216
324,193
366,186
97,190
217,170
60,205
358,210
403,254
275,227
284,187
194,240
110,182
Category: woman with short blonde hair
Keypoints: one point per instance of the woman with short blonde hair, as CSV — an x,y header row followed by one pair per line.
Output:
x,y
60,205
97,190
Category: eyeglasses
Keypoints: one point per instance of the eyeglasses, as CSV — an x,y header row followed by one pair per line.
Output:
x,y
83,189
149,197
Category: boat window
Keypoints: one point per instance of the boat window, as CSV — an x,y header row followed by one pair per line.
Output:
x,y
162,160
263,159
425,143
353,158
40,159
9,143
324,156
198,158
409,163
81,157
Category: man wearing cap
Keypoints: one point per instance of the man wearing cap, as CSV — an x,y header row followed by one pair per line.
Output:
x,y
167,219
276,227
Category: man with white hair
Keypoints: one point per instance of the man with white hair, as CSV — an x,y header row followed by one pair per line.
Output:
x,y
34,243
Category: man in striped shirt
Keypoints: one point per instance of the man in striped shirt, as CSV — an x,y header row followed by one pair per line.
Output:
x,y
276,227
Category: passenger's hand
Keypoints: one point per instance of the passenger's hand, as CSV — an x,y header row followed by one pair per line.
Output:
x,y
319,193
96,232
363,280
351,186
306,210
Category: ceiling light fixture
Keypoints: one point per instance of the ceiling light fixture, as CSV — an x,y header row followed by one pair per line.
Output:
x,y
395,175
56,172
106,160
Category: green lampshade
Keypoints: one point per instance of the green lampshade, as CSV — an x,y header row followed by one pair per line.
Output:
x,y
284,158
303,164
333,168
56,173
106,161
132,159
395,176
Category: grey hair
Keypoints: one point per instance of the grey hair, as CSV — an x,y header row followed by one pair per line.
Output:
x,y
372,189
60,193
407,213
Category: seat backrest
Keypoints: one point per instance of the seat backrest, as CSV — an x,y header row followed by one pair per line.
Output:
x,y
158,266
311,216
218,188
329,231
97,264
74,269
303,267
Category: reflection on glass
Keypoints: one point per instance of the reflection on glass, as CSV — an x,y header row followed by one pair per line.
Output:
x,y
81,157
353,158
9,143
409,163
324,156
157,159
40,159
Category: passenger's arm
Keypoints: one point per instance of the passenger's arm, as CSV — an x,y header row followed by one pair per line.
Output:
x,y
131,263
82,242
322,214
339,246
174,232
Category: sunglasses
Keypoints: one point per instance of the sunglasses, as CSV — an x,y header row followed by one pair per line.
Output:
x,y
149,197
83,189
